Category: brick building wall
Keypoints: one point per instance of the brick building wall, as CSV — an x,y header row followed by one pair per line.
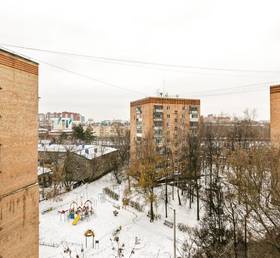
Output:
x,y
275,114
162,119
19,234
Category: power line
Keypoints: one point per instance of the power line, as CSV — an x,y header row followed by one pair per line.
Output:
x,y
87,76
235,89
209,93
92,78
140,62
231,93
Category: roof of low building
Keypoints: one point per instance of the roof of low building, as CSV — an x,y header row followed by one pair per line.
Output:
x,y
87,151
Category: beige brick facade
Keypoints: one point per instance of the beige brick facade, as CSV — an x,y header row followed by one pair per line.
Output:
x,y
161,118
275,114
18,156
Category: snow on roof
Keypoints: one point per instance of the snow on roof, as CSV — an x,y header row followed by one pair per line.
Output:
x,y
43,170
87,151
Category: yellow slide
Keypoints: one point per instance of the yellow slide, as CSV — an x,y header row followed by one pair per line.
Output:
x,y
75,221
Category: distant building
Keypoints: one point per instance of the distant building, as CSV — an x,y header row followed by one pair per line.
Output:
x,y
217,119
109,130
61,124
161,117
53,120
90,121
19,195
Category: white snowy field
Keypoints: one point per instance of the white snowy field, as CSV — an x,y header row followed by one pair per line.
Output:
x,y
156,240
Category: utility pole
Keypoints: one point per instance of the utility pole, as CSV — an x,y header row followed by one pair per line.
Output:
x,y
166,195
174,225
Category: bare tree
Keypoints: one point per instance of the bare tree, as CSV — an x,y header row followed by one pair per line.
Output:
x,y
147,169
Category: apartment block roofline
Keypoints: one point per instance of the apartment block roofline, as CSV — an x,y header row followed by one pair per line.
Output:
x,y
10,52
165,100
275,89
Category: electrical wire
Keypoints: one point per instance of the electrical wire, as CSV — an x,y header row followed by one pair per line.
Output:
x,y
235,90
215,92
140,62
109,84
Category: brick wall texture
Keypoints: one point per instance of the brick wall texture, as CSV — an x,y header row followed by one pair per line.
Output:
x,y
275,114
175,108
18,156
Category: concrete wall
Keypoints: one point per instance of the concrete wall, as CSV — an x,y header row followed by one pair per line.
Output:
x,y
80,168
18,156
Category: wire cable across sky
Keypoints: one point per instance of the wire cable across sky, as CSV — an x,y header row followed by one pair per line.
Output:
x,y
140,62
206,93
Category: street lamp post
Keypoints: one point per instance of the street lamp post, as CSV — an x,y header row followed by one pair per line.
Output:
x,y
174,232
174,227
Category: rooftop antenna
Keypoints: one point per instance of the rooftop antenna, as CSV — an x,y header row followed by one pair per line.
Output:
x,y
159,93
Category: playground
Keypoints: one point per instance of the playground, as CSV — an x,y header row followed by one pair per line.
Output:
x,y
81,223
77,212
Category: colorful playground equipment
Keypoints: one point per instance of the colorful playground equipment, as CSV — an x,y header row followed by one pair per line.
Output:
x,y
75,221
78,212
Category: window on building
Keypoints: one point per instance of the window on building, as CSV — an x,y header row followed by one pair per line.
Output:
x,y
158,107
193,108
138,110
195,115
158,123
193,124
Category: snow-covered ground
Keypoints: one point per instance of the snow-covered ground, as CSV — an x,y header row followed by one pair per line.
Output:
x,y
156,240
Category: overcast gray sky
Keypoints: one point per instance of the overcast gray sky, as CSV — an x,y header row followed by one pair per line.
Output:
x,y
236,34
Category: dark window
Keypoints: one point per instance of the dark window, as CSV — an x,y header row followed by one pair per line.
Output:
x,y
158,107
158,123
193,124
193,108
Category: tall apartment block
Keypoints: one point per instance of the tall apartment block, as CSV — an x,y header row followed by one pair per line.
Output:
x,y
275,114
19,220
162,119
